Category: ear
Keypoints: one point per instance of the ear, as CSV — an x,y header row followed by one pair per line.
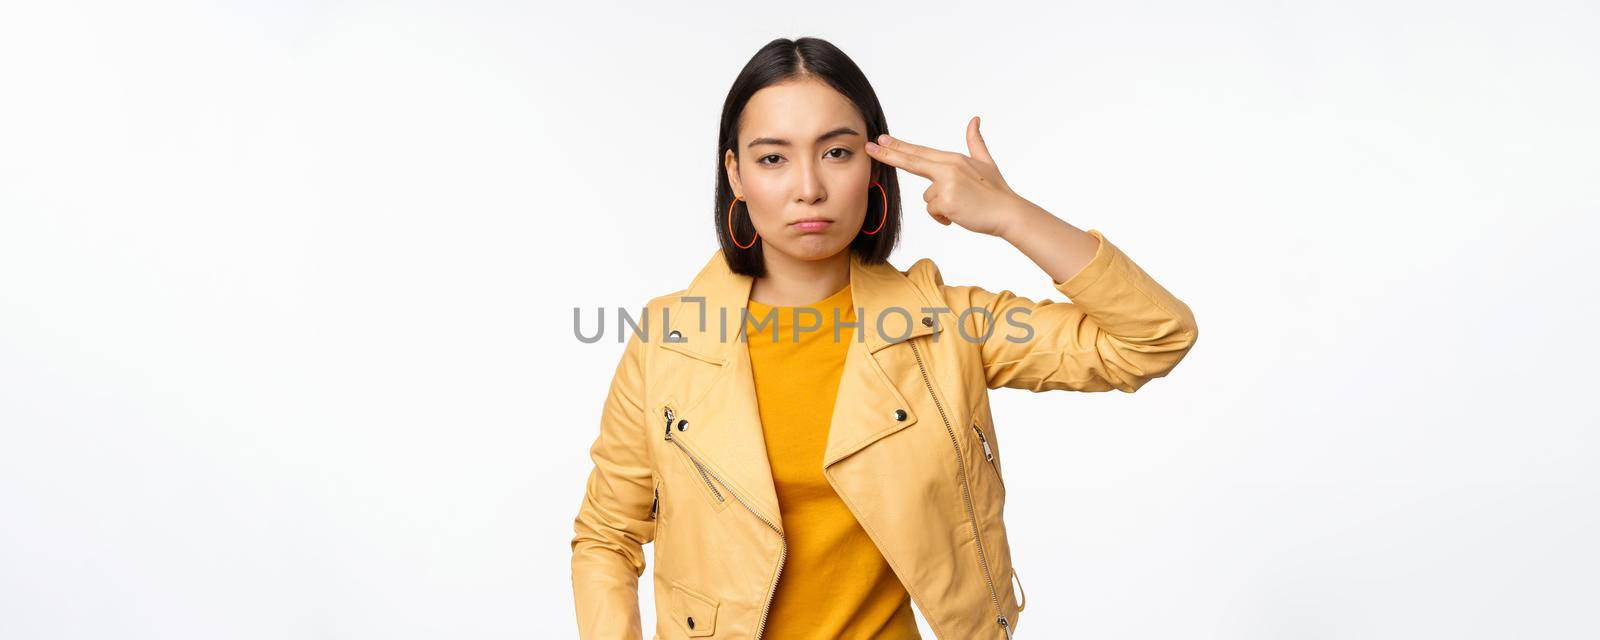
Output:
x,y
731,163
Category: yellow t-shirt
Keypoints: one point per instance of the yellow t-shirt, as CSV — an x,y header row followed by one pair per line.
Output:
x,y
835,583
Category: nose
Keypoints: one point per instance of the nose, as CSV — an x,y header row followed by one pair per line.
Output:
x,y
810,189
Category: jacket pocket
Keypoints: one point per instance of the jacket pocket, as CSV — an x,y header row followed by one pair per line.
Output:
x,y
694,612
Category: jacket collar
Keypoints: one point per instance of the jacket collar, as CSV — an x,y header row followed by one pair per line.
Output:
x,y
709,313
728,437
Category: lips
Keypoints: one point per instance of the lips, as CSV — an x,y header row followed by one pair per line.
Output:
x,y
811,225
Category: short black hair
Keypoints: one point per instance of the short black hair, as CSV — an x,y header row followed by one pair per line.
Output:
x,y
780,61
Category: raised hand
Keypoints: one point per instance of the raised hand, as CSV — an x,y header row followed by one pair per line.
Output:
x,y
966,190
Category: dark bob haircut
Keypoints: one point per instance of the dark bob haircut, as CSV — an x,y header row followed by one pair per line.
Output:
x,y
783,60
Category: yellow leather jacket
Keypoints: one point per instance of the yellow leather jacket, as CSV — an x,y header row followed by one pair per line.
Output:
x,y
912,447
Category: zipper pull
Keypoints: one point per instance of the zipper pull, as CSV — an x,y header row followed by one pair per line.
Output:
x,y
1005,625
654,504
988,453
668,413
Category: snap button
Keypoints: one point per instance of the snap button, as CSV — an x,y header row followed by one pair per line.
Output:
x,y
675,335
683,424
691,622
927,322
900,415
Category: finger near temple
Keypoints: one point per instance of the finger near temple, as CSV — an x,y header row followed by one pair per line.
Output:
x,y
900,159
917,149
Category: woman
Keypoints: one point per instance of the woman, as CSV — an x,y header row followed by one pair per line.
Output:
x,y
814,483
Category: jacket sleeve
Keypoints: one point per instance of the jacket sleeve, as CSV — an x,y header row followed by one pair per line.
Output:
x,y
1121,330
614,520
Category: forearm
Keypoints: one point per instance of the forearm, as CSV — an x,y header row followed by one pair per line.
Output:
x,y
1059,248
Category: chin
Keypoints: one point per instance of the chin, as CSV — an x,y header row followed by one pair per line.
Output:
x,y
815,247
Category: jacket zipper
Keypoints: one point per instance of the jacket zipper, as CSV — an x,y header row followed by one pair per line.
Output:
x,y
704,474
988,453
966,491
783,553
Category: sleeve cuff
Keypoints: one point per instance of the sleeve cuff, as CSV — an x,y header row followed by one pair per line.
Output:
x,y
1090,273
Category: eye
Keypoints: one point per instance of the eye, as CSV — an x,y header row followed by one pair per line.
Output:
x,y
762,159
846,153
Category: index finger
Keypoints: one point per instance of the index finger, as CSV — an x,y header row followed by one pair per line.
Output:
x,y
897,158
917,149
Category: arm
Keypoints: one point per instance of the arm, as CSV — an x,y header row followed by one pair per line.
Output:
x,y
1059,248
614,520
1121,330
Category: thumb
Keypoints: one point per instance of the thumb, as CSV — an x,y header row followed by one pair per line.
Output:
x,y
975,146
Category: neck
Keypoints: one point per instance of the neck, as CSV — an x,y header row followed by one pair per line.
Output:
x,y
792,282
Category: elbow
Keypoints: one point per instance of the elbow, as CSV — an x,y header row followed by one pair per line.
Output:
x,y
1190,328
1184,332
1175,351
1183,329
1183,343
1155,360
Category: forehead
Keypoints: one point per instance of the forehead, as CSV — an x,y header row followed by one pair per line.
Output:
x,y
798,110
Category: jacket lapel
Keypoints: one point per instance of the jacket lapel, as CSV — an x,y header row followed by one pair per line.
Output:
x,y
726,434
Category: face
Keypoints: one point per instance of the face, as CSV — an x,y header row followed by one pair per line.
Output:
x,y
802,169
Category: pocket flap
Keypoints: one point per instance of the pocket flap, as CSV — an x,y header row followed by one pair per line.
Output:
x,y
696,612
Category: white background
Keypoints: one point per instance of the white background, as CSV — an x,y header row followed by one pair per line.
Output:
x,y
286,294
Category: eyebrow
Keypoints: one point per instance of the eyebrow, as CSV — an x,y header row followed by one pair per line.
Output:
x,y
841,131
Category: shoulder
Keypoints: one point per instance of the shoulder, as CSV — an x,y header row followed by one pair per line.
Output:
x,y
925,276
642,323
923,270
660,309
656,304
